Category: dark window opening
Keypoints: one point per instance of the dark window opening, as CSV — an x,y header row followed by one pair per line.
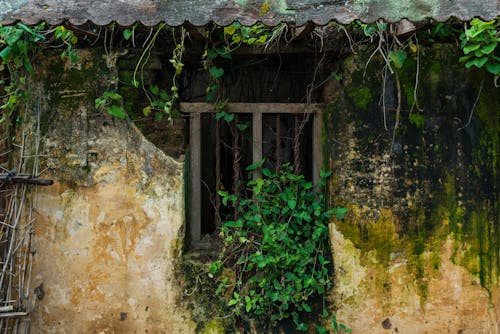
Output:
x,y
221,150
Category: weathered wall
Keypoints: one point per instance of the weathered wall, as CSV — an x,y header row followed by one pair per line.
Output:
x,y
111,227
418,252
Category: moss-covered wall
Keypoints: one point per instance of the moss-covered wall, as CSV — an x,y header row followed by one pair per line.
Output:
x,y
424,188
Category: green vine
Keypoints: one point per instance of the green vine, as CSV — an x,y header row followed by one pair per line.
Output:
x,y
16,45
278,248
233,37
161,103
479,44
111,102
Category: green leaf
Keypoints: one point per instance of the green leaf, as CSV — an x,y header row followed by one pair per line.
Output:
x,y
5,53
242,126
13,37
473,33
255,166
493,68
292,203
127,34
471,48
369,30
488,49
228,117
154,89
478,62
116,111
398,57
216,72
262,39
224,52
321,330
464,58
214,267
230,30
164,95
381,25
302,327
340,212
211,54
146,111
26,28
112,95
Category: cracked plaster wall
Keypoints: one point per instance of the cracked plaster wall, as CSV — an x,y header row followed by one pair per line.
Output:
x,y
111,227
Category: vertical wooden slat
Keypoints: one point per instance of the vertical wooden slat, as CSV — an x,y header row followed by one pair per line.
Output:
x,y
217,174
236,163
296,144
257,141
278,142
317,146
195,177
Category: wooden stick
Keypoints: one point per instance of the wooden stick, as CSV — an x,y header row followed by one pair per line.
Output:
x,y
8,178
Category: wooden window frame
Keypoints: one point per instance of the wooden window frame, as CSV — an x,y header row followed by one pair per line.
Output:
x,y
196,109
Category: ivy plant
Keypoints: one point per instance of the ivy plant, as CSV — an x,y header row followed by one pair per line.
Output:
x,y
277,245
479,44
111,103
16,45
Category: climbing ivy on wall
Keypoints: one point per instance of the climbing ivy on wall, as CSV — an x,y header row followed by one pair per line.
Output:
x,y
479,44
277,246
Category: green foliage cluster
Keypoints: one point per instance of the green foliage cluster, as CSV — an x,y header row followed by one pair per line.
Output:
x,y
16,44
161,102
214,71
111,102
479,44
253,35
277,246
234,36
17,41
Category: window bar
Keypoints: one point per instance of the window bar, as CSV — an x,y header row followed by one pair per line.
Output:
x,y
257,141
317,147
217,217
195,182
278,142
236,162
296,144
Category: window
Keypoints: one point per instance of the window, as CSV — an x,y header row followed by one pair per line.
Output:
x,y
221,150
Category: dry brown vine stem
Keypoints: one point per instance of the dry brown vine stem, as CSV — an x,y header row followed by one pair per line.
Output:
x,y
398,110
473,106
417,75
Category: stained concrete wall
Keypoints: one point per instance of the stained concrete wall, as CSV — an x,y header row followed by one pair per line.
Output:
x,y
418,251
111,227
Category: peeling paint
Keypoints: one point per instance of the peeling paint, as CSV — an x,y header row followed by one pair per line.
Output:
x,y
103,237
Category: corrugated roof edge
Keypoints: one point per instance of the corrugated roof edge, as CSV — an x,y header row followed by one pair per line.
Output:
x,y
247,12
224,23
